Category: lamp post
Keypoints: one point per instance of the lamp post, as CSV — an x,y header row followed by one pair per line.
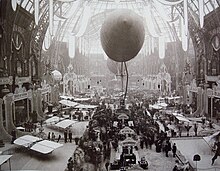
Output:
x,y
210,94
196,158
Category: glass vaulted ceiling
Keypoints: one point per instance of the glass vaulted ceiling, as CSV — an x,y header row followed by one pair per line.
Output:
x,y
68,17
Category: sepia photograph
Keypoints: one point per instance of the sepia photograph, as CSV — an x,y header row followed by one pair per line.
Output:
x,y
109,85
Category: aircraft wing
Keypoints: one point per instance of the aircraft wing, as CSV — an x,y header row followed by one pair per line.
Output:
x,y
26,140
45,146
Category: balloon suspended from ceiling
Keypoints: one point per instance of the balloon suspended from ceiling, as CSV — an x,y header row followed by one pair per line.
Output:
x,y
122,35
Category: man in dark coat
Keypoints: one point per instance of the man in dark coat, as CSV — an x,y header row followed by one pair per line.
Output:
x,y
13,134
174,150
65,136
70,136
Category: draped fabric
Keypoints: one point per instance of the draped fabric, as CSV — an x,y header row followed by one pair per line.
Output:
x,y
152,44
149,20
185,11
201,13
47,41
149,45
146,47
85,21
72,44
184,36
36,11
83,46
51,16
161,47
162,12
73,9
14,4
166,2
79,44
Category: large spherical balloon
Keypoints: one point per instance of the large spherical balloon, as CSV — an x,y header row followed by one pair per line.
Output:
x,y
122,35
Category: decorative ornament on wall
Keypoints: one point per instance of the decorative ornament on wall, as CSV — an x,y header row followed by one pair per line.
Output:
x,y
17,40
216,42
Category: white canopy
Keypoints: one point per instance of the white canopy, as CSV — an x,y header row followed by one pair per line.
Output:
x,y
123,116
163,104
81,106
82,99
26,140
67,97
68,103
155,106
45,146
20,128
53,119
65,123
180,117
177,114
129,142
126,130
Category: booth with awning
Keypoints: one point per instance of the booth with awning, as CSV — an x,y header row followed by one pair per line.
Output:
x,y
53,120
82,106
77,105
82,99
129,142
181,118
67,97
155,106
126,130
65,123
68,103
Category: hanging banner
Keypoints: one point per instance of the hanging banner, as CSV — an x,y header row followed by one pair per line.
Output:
x,y
51,16
84,22
152,44
14,4
80,44
161,47
185,11
149,45
72,46
149,21
184,36
201,13
36,11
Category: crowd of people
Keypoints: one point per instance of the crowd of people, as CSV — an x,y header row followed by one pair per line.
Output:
x,y
102,134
